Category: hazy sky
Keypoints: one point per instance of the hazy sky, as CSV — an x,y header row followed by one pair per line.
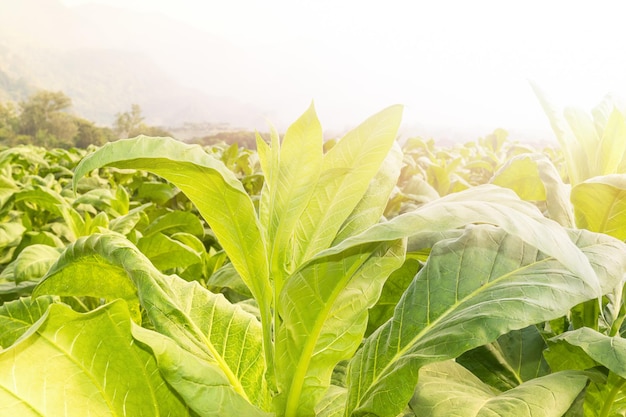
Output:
x,y
461,64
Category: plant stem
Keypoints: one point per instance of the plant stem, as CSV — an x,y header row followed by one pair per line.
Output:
x,y
608,402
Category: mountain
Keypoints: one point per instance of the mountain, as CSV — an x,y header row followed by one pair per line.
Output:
x,y
107,58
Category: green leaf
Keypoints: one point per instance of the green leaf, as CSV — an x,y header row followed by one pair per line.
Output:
x,y
126,223
174,222
167,253
323,307
534,178
471,290
215,191
392,291
10,234
605,350
585,348
44,198
483,204
600,205
34,261
68,363
206,325
297,162
371,207
16,317
448,389
345,176
514,358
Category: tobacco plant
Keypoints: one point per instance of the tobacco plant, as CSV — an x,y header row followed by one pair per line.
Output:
x,y
309,262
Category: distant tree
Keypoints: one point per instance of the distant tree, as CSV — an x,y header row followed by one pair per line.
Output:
x,y
9,122
44,118
90,134
40,110
243,138
128,122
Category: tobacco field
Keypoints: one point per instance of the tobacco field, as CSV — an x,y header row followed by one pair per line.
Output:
x,y
352,277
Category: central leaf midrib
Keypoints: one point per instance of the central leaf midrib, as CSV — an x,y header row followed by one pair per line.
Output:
x,y
306,356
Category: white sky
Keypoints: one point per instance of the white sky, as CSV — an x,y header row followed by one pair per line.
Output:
x,y
461,64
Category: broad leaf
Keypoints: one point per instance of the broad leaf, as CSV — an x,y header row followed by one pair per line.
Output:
x,y
323,307
215,191
34,261
68,363
514,358
292,169
347,169
447,389
585,348
371,207
16,317
605,350
205,325
472,290
600,205
167,253
534,178
174,222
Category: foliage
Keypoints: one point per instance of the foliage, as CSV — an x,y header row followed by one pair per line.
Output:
x,y
307,279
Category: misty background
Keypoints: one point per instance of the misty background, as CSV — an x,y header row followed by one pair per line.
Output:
x,y
460,68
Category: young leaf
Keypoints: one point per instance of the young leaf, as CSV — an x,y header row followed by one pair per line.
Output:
x,y
68,363
323,307
297,161
472,290
447,388
346,172
371,207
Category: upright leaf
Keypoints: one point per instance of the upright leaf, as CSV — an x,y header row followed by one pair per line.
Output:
x,y
346,172
290,187
323,308
215,191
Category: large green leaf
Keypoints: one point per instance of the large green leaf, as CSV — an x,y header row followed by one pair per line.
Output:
x,y
514,358
605,350
10,234
292,169
323,307
472,290
482,204
16,317
600,205
205,325
447,389
215,191
167,253
174,222
372,206
346,173
534,178
71,364
585,348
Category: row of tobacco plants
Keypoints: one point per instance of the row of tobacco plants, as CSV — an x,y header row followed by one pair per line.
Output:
x,y
344,278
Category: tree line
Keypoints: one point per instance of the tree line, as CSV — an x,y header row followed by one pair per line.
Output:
x,y
43,119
